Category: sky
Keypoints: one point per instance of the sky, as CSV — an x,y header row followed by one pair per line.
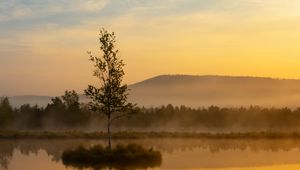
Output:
x,y
43,43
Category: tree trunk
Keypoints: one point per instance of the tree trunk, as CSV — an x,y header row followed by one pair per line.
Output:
x,y
108,132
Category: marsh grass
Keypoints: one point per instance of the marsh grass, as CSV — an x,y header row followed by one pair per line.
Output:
x,y
142,135
130,156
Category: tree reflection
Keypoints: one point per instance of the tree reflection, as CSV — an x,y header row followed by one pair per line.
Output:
x,y
6,153
121,166
54,148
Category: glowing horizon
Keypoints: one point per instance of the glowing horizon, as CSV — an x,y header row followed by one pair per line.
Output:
x,y
44,44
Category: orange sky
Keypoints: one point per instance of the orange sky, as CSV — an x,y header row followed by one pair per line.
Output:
x,y
43,44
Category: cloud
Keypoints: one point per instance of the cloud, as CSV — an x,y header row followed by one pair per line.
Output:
x,y
20,9
92,5
10,10
150,31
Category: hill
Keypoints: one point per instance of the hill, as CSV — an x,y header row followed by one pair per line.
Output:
x,y
198,91
17,101
227,91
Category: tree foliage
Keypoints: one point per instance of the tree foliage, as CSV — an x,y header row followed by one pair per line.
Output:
x,y
111,97
71,100
6,112
65,110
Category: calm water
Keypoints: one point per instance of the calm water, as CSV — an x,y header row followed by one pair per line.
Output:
x,y
196,154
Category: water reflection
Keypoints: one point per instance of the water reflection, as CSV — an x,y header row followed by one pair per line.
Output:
x,y
177,153
137,166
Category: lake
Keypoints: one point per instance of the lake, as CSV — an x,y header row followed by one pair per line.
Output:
x,y
178,153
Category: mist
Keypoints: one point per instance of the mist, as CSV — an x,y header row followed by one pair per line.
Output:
x,y
63,115
177,103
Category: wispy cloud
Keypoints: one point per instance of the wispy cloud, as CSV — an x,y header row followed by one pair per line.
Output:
x,y
186,36
20,9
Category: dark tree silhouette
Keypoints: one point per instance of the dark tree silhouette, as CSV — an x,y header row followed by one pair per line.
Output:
x,y
6,112
111,97
65,111
71,100
30,117
73,115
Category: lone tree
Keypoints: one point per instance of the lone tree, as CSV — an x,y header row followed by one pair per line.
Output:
x,y
111,97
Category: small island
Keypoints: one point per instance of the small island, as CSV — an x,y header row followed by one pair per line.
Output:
x,y
130,156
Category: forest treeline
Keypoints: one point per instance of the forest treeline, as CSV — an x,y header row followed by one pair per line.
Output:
x,y
67,113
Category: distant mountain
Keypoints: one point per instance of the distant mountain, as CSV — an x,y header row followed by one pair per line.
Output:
x,y
197,91
17,101
226,91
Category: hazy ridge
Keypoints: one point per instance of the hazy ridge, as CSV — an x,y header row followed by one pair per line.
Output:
x,y
199,91
227,91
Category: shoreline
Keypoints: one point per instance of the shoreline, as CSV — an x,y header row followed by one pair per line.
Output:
x,y
143,135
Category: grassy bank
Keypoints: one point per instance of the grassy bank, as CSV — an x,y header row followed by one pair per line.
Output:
x,y
140,135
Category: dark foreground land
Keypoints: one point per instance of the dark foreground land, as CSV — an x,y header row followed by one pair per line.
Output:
x,y
130,156
141,135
